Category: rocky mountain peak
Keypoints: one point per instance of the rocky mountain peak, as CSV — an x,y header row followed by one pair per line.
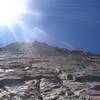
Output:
x,y
38,71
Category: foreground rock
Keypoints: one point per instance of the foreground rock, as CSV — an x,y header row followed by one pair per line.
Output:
x,y
41,83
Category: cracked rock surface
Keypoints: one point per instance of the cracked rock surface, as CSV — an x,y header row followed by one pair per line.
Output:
x,y
48,73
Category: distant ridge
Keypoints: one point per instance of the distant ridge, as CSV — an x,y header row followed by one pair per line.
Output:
x,y
41,47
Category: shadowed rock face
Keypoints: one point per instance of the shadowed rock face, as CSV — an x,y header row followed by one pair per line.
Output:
x,y
11,82
38,71
97,87
88,79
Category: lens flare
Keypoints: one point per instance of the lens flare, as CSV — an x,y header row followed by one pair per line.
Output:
x,y
17,13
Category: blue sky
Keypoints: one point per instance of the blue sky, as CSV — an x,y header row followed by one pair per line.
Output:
x,y
74,24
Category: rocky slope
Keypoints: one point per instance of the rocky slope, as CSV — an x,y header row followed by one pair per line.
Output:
x,y
37,71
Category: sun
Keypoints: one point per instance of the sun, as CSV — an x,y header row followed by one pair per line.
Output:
x,y
10,10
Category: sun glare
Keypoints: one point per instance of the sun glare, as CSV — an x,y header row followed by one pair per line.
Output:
x,y
10,10
14,15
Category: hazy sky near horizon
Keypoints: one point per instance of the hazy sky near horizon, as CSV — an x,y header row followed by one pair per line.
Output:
x,y
74,24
